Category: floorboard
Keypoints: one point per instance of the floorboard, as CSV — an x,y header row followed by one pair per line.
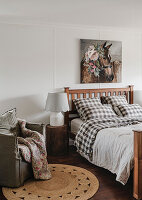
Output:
x,y
109,188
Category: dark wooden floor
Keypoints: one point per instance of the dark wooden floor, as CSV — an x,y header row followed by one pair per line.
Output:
x,y
109,189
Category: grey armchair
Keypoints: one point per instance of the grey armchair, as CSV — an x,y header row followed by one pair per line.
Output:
x,y
13,169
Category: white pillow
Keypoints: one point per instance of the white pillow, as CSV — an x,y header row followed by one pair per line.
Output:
x,y
8,120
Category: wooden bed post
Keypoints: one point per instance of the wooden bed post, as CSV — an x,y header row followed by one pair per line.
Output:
x,y
137,183
66,117
131,94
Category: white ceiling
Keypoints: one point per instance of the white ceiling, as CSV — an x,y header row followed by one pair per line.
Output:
x,y
116,13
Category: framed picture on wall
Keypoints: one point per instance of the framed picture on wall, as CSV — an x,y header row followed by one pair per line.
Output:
x,y
101,61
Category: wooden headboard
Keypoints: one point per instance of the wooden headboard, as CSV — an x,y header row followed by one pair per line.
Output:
x,y
85,93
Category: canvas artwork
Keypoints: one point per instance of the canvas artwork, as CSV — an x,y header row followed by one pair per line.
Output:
x,y
101,61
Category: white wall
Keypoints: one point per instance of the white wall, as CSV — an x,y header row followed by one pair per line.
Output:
x,y
26,69
36,59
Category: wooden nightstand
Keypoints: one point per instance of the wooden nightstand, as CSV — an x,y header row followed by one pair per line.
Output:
x,y
57,140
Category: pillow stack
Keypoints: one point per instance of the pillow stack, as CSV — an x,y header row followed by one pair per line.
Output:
x,y
121,106
92,108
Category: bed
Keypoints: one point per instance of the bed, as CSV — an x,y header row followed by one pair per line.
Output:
x,y
74,123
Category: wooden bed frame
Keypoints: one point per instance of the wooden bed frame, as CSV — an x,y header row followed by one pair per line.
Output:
x,y
85,93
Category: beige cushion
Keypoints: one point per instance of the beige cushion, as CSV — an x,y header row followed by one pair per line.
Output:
x,y
8,120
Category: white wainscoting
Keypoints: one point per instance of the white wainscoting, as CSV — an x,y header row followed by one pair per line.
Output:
x,y
35,59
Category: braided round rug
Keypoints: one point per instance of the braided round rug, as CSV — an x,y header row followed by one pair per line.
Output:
x,y
67,183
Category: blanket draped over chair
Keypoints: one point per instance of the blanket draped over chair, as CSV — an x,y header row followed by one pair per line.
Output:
x,y
33,149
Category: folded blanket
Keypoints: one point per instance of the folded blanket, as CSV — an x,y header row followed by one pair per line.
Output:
x,y
33,150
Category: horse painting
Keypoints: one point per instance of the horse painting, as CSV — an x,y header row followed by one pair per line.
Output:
x,y
99,64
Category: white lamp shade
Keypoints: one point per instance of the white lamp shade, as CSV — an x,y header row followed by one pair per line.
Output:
x,y
57,102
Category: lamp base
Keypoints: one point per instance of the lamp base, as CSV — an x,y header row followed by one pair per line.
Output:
x,y
56,119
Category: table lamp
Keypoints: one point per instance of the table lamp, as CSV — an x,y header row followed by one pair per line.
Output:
x,y
57,103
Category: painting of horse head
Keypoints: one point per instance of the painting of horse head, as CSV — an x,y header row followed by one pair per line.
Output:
x,y
101,61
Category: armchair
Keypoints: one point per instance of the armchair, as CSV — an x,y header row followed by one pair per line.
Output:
x,y
13,169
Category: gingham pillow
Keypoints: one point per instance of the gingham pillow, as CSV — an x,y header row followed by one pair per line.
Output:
x,y
130,110
115,100
86,102
97,112
115,109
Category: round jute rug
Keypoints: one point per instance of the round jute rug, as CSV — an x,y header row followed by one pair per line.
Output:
x,y
67,182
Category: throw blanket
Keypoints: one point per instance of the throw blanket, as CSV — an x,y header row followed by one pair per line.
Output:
x,y
86,136
32,147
